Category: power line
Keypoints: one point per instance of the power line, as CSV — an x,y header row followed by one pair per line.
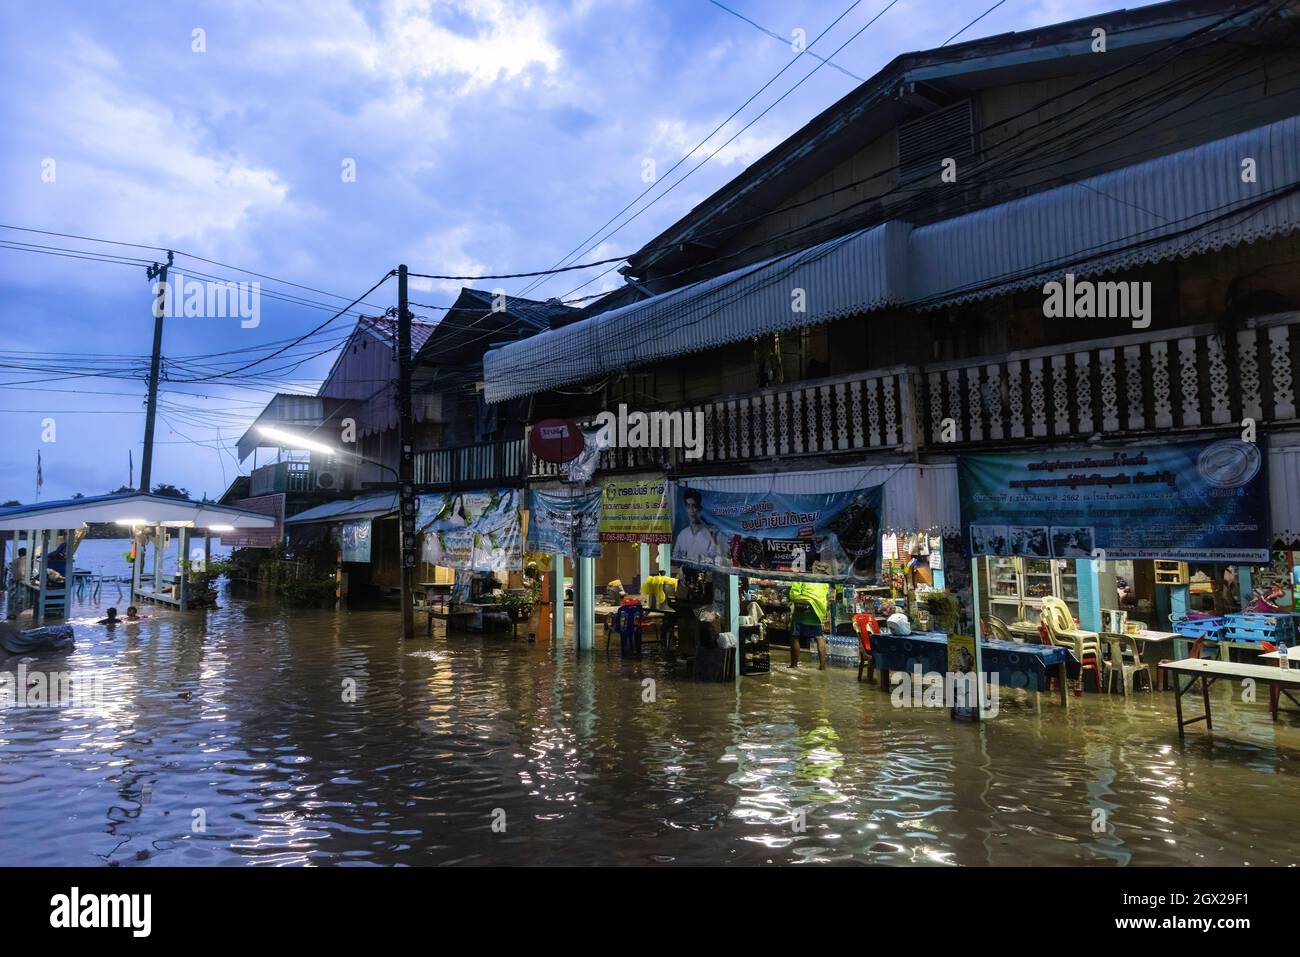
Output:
x,y
785,41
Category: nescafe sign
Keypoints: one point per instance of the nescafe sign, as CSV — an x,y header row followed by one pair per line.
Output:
x,y
556,440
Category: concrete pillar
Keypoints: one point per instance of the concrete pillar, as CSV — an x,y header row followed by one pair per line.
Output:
x,y
1085,570
733,615
43,577
975,595
665,559
557,600
585,625
1245,589
644,549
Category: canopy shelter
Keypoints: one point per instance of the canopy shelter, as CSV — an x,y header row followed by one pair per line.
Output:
x,y
42,526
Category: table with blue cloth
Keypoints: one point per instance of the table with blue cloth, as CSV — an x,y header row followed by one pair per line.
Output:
x,y
1017,665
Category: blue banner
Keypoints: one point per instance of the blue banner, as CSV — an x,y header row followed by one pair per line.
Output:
x,y
1189,501
354,540
564,524
810,537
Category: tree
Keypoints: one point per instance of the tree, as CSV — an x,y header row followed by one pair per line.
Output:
x,y
171,491
120,489
12,501
78,495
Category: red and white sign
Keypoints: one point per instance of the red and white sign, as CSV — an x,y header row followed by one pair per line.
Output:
x,y
556,440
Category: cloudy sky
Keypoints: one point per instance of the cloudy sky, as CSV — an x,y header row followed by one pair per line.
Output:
x,y
485,136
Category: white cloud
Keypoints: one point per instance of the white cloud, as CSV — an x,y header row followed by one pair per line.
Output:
x,y
679,136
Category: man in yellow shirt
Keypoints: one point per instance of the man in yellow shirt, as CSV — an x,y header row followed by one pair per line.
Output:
x,y
807,620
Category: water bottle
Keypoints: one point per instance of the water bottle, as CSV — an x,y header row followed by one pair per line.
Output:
x,y
1281,655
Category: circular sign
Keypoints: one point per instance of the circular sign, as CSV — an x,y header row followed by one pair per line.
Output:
x,y
1229,463
556,440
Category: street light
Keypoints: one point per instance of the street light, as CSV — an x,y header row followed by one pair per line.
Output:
x,y
302,442
406,496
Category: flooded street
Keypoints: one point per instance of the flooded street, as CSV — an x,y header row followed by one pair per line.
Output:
x,y
236,718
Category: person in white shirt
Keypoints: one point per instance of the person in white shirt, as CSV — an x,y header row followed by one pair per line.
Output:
x,y
698,542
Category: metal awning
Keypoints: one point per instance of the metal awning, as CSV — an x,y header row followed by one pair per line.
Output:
x,y
376,505
1182,204
850,274
1190,202
296,413
129,508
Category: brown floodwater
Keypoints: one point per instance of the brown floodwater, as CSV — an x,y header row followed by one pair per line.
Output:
x,y
484,750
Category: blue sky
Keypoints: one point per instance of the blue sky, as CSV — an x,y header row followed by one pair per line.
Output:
x,y
487,136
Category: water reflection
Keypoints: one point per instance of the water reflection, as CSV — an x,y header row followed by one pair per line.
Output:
x,y
256,735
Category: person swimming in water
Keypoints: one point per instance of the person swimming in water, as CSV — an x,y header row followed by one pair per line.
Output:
x,y
111,620
133,614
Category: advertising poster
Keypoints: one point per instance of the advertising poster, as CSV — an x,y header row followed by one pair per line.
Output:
x,y
636,512
354,540
812,537
964,670
474,531
1190,501
564,524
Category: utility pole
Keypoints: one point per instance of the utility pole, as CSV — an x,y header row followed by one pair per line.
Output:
x,y
406,444
155,363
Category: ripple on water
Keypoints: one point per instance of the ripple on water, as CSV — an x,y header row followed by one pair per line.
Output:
x,y
227,738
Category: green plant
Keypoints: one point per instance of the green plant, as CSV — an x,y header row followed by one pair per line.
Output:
x,y
306,592
519,607
945,613
202,578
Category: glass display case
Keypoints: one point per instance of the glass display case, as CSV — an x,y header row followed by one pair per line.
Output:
x,y
1013,589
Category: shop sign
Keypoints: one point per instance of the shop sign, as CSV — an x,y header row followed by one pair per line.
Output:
x,y
808,536
564,524
473,531
1188,501
636,512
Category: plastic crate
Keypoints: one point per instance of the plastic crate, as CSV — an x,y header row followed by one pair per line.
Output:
x,y
1260,626
1210,628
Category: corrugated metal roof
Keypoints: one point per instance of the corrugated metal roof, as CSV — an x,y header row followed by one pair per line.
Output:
x,y
285,410
145,509
374,505
1189,202
1185,203
855,273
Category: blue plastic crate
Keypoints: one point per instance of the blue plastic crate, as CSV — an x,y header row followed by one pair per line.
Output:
x,y
1210,628
1260,626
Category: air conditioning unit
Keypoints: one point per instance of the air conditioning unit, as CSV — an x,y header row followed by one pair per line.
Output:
x,y
328,480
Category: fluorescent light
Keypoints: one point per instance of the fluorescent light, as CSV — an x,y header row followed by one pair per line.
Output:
x,y
131,521
221,528
296,441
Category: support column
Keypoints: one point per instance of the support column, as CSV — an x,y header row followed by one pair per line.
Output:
x,y
183,568
1245,589
557,600
43,578
586,625
159,546
644,549
733,615
975,596
136,566
1085,570
665,559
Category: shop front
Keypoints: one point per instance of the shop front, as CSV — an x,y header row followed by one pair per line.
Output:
x,y
1134,540
784,564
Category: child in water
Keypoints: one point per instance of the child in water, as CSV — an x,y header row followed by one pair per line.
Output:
x,y
111,620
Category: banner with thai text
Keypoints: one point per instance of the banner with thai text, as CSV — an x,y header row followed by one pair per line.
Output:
x,y
561,524
636,512
1187,501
